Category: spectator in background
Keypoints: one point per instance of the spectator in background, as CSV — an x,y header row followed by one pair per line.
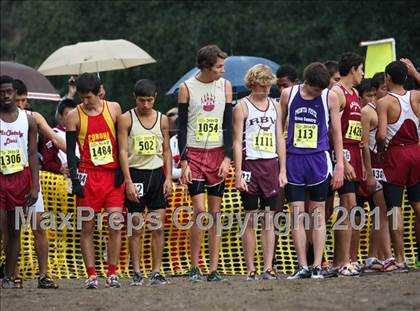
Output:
x,y
366,91
53,159
172,115
286,76
332,67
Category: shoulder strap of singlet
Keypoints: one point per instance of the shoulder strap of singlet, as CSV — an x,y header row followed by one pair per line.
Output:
x,y
372,106
295,89
83,125
108,119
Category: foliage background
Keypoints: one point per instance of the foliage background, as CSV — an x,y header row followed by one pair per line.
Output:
x,y
296,32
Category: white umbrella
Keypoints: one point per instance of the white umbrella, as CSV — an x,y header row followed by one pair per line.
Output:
x,y
94,56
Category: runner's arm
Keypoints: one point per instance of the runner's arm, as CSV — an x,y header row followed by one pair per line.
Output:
x,y
33,161
183,100
227,122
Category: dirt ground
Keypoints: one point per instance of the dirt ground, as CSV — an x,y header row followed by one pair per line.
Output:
x,y
392,291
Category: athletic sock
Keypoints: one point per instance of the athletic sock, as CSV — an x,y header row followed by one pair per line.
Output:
x,y
91,271
111,269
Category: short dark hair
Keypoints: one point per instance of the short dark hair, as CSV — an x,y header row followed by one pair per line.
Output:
x,y
207,56
398,71
65,103
20,88
332,66
88,82
348,61
365,86
378,79
316,75
145,87
288,71
4,79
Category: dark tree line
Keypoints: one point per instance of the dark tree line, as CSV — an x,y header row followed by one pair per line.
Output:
x,y
296,32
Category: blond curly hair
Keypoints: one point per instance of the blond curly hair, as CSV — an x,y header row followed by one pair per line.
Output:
x,y
259,74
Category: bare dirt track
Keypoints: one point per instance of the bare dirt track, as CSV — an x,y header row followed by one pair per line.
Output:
x,y
392,291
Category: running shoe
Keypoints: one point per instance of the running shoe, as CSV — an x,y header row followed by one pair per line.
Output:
x,y
138,279
316,273
270,274
252,276
91,283
300,273
157,279
372,265
195,275
214,277
9,283
45,282
112,281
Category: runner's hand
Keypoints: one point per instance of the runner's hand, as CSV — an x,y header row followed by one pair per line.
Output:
x,y
337,178
31,197
167,187
371,183
186,176
76,188
349,173
241,184
283,179
224,168
131,192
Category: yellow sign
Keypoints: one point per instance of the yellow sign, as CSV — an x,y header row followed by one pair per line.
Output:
x,y
379,54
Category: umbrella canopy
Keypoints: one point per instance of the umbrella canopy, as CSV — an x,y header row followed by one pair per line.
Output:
x,y
38,85
94,56
235,70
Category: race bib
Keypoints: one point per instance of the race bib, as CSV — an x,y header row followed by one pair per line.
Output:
x,y
82,178
139,188
354,131
208,129
11,161
305,136
246,176
101,152
379,174
346,155
145,144
263,141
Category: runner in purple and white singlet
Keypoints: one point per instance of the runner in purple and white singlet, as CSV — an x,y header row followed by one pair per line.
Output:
x,y
311,109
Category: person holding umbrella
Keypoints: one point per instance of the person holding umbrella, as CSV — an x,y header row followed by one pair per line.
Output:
x,y
97,181
205,143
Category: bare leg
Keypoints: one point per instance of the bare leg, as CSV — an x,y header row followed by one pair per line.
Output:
x,y
298,231
214,240
248,241
114,242
343,236
86,242
158,242
41,245
317,210
267,239
12,245
134,243
195,231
